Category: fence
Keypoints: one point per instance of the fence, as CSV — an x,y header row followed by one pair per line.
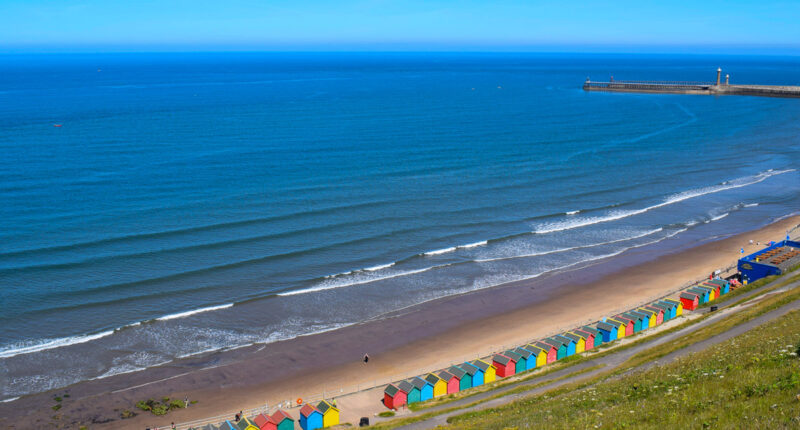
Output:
x,y
289,405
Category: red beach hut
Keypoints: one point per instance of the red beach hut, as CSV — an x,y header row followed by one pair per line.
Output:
x,y
394,397
452,381
689,300
659,313
505,366
264,422
629,324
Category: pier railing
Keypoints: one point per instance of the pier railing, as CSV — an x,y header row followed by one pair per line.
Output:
x,y
293,407
648,85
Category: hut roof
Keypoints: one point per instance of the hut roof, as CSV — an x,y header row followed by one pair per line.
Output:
x,y
591,330
324,406
480,364
574,337
654,308
523,352
635,315
688,295
457,371
418,382
566,340
558,343
281,415
719,282
536,349
580,333
661,306
501,359
227,425
447,376
262,419
675,302
307,410
700,289
391,390
209,427
617,322
605,326
512,355
432,378
469,368
405,387
244,423
544,346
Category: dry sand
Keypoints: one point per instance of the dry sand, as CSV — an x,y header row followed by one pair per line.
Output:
x,y
419,339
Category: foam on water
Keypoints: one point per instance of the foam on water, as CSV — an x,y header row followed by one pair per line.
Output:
x,y
43,345
193,312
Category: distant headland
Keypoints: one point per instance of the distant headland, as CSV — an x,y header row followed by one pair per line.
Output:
x,y
708,88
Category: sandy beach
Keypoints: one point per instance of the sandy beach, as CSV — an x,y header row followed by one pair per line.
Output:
x,y
421,338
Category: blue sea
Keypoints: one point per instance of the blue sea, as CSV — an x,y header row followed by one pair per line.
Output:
x,y
160,206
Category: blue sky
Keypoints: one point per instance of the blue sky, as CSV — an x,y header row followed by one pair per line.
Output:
x,y
150,25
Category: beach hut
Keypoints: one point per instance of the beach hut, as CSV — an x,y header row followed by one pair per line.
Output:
x,y
704,294
245,423
580,342
264,422
725,286
621,327
330,413
634,318
228,425
666,310
552,351
717,288
598,337
541,354
528,356
425,389
469,375
561,347
588,338
439,385
678,306
464,380
652,317
393,397
489,371
690,300
520,365
412,392
608,332
282,420
505,365
310,417
571,344
625,326
659,313
452,381
669,309
477,373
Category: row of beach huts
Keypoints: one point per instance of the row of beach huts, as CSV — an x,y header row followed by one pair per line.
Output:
x,y
324,414
539,353
502,365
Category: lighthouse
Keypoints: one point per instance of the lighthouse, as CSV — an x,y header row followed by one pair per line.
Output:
x,y
719,72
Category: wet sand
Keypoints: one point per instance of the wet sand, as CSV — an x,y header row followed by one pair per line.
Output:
x,y
421,338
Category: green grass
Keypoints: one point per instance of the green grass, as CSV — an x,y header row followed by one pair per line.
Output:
x,y
751,380
386,414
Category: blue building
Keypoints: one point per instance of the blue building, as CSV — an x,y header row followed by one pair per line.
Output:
x,y
769,261
477,376
310,418
425,389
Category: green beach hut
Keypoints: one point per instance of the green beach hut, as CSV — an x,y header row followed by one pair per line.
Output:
x,y
412,393
520,365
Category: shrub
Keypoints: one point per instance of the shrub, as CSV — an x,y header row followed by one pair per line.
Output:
x,y
386,414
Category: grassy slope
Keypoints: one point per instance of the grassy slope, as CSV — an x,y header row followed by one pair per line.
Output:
x,y
752,381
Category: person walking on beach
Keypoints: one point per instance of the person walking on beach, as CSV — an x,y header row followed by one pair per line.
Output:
x,y
366,358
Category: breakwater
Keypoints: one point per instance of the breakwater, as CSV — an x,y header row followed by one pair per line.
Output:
x,y
704,88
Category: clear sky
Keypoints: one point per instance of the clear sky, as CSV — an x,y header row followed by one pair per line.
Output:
x,y
156,25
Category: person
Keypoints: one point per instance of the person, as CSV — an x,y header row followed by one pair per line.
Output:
x,y
236,418
366,358
186,402
173,426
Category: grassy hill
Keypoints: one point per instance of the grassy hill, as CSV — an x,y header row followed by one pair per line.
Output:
x,y
750,381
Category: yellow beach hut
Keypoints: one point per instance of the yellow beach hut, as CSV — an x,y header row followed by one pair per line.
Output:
x,y
541,355
439,384
619,325
580,341
652,316
330,413
677,303
489,371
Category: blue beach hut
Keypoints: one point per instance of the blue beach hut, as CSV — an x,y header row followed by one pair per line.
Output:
x,y
464,378
425,389
673,308
477,377
607,331
310,418
528,356
470,372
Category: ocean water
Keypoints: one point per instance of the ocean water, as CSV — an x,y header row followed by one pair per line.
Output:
x,y
195,202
